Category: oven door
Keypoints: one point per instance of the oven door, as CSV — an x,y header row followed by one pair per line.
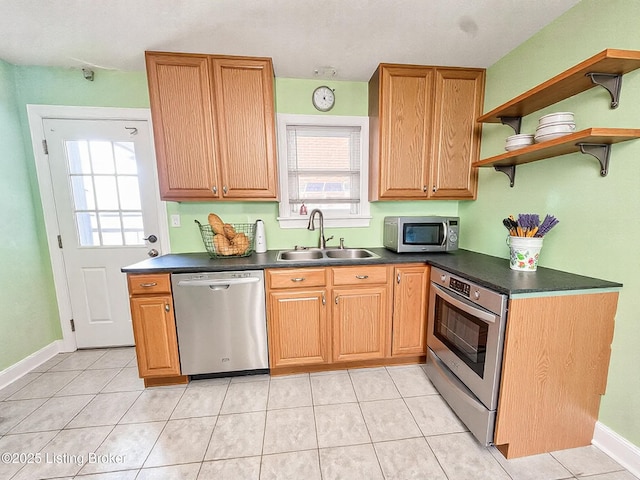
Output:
x,y
467,339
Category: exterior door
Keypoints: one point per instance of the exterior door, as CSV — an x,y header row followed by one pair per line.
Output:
x,y
104,188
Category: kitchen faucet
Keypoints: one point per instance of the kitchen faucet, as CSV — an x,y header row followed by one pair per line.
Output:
x,y
322,242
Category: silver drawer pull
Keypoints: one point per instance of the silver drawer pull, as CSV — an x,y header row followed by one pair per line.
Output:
x,y
167,308
298,279
147,285
362,277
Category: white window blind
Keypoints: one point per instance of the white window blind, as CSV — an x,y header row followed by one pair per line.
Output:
x,y
323,164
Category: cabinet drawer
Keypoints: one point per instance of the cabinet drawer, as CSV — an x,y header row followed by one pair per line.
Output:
x,y
149,284
359,275
296,277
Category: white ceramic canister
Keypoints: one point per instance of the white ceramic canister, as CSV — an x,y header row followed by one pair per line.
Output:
x,y
261,239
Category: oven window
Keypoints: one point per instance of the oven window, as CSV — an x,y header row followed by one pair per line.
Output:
x,y
423,233
462,333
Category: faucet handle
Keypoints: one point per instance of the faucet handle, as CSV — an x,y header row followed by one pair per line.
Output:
x,y
341,243
327,239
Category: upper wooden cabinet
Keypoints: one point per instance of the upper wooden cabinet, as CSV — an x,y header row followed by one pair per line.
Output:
x,y
214,127
423,132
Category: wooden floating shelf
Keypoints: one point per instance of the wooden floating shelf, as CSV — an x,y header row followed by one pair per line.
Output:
x,y
560,146
570,82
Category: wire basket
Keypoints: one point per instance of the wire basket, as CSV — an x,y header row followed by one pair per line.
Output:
x,y
219,249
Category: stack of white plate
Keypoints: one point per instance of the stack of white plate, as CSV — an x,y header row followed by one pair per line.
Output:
x,y
515,142
554,125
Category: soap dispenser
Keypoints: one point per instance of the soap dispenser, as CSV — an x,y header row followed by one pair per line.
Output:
x,y
261,239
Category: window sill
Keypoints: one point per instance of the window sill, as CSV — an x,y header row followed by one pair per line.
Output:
x,y
335,222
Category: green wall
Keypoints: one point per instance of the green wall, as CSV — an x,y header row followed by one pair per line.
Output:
x,y
598,216
29,319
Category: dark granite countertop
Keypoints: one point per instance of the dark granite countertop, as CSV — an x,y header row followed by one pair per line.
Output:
x,y
488,271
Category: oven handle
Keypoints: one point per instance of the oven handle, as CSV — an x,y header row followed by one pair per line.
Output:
x,y
471,310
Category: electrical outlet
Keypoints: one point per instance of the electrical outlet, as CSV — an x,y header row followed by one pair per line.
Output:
x,y
175,220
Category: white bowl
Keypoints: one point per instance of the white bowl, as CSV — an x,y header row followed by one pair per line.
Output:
x,y
556,117
550,136
518,141
519,136
510,148
555,128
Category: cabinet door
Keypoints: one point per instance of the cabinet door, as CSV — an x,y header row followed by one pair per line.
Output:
x,y
410,297
244,106
297,327
360,323
456,136
180,97
401,104
154,330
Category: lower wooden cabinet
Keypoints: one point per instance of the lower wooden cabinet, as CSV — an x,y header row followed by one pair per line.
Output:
x,y
359,320
298,333
410,300
154,329
344,316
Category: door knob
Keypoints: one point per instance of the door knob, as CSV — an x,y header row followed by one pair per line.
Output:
x,y
153,252
151,239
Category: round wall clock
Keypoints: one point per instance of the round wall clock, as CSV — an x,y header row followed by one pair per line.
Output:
x,y
323,98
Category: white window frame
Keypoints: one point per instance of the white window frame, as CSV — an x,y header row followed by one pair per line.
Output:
x,y
289,220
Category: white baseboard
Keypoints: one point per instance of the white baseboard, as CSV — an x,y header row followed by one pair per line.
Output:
x,y
24,366
617,447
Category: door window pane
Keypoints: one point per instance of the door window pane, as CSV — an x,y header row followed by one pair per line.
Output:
x,y
129,193
125,158
101,157
106,193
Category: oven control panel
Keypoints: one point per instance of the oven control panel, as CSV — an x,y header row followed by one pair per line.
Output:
x,y
460,287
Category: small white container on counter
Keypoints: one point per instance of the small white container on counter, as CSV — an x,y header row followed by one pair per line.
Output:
x,y
261,239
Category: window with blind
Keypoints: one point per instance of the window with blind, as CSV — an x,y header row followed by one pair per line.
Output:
x,y
323,164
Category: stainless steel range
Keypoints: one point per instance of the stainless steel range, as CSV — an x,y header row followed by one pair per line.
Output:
x,y
465,337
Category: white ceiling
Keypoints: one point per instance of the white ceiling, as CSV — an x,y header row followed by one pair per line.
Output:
x,y
352,36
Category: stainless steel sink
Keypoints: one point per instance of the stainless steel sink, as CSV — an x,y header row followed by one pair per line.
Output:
x,y
300,255
350,253
317,254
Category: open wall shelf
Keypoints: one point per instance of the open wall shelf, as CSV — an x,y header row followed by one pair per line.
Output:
x,y
592,141
604,69
610,62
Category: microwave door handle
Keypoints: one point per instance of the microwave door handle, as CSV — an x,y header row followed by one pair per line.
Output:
x,y
480,314
446,234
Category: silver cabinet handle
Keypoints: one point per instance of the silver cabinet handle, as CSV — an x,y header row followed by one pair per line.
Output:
x,y
398,278
435,189
324,300
214,189
336,299
167,308
362,277
298,279
148,285
224,189
424,188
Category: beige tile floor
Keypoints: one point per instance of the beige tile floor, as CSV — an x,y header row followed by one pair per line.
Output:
x,y
86,415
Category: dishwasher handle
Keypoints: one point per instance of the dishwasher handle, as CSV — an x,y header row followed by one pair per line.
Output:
x,y
218,284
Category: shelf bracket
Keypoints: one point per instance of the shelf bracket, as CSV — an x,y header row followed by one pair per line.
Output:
x,y
509,171
513,122
601,151
611,82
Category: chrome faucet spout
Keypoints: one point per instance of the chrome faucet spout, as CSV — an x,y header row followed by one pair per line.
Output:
x,y
322,242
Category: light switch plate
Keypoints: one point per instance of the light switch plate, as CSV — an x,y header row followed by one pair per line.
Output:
x,y
175,220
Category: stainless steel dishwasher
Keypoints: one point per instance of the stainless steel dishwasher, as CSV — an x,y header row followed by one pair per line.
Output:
x,y
221,322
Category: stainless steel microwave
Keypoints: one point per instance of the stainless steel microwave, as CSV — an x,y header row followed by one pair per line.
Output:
x,y
421,234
